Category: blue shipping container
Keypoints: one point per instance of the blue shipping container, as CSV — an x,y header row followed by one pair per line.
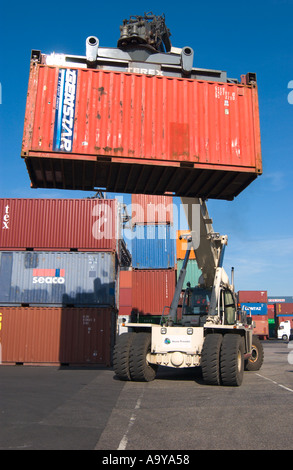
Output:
x,y
153,247
58,278
255,309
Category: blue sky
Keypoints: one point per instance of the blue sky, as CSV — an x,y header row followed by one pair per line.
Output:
x,y
232,36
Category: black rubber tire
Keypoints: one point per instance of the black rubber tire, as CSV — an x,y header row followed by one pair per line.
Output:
x,y
256,360
121,355
232,360
210,359
140,369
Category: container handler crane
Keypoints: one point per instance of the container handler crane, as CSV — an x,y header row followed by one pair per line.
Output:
x,y
210,334
215,337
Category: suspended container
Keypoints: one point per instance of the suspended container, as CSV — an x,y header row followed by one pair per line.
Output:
x,y
153,247
54,336
140,134
58,278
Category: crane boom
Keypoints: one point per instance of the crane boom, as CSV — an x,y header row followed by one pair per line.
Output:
x,y
208,245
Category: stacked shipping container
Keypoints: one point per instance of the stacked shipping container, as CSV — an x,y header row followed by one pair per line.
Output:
x,y
255,304
284,311
59,264
280,309
193,272
153,259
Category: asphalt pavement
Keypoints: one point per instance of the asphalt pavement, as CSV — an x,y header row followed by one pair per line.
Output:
x,y
52,408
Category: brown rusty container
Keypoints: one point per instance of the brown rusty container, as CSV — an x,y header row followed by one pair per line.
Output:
x,y
53,336
284,308
152,290
59,224
140,134
261,326
252,296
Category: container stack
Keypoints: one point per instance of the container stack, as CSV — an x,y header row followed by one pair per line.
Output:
x,y
153,257
284,311
193,272
255,304
59,265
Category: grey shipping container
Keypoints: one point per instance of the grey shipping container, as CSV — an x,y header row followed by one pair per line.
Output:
x,y
58,278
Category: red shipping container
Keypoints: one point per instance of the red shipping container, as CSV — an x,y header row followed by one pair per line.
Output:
x,y
261,325
252,296
152,290
147,209
50,336
125,279
125,294
59,224
140,134
271,311
284,309
124,310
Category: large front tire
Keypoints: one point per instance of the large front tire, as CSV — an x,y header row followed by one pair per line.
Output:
x,y
210,360
254,362
140,369
232,360
121,355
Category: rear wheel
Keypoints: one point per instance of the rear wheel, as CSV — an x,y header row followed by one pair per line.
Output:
x,y
210,360
140,369
254,362
121,356
232,360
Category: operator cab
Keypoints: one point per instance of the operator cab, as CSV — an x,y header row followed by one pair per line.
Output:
x,y
196,303
195,308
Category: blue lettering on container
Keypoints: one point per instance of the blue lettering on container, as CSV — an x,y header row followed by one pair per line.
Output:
x,y
65,110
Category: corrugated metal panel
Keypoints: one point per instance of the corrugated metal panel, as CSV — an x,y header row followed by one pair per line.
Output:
x,y
125,294
153,247
58,278
181,245
284,309
193,272
57,335
261,325
144,134
59,224
252,296
152,290
125,279
147,209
